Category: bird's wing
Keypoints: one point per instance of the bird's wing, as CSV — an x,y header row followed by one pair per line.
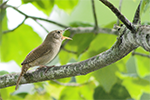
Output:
x,y
37,53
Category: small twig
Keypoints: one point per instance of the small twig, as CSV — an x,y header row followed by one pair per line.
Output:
x,y
0,97
81,30
15,27
137,19
94,14
140,54
32,17
4,3
120,4
69,84
68,50
65,42
127,23
41,25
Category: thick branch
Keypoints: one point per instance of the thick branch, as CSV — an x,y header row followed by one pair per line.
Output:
x,y
121,48
128,24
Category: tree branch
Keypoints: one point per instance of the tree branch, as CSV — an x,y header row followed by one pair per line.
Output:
x,y
120,4
137,19
41,25
69,84
140,54
32,17
94,14
121,48
4,32
68,50
127,23
82,30
4,3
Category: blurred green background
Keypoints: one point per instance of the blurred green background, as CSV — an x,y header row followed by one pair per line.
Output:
x,y
128,78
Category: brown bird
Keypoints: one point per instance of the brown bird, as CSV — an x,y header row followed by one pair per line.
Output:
x,y
44,53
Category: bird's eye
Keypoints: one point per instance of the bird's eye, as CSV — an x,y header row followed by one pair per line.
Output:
x,y
58,32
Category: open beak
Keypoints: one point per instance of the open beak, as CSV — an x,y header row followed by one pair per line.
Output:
x,y
66,38
63,37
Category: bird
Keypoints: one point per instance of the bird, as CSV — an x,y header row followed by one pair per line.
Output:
x,y
44,53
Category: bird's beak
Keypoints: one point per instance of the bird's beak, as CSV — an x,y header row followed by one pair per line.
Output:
x,y
63,37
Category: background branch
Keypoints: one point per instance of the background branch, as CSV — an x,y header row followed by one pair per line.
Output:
x,y
37,18
120,5
41,25
94,14
137,19
4,32
68,50
127,23
140,54
4,3
120,49
69,84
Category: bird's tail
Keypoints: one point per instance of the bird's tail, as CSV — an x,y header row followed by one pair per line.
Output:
x,y
23,71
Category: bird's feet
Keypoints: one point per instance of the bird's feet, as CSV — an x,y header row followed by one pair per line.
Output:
x,y
49,67
44,66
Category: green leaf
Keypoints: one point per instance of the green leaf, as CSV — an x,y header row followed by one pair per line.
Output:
x,y
117,92
135,85
84,78
131,65
79,44
70,93
2,16
78,93
143,66
15,98
143,63
22,94
3,72
54,89
17,44
79,24
65,57
145,6
66,5
4,26
106,77
101,43
38,96
121,64
6,93
44,5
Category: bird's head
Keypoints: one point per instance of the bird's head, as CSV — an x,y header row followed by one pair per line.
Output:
x,y
57,35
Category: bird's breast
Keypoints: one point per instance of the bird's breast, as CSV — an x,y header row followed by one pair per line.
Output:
x,y
47,57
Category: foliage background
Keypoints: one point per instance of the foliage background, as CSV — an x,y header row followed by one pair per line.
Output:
x,y
128,78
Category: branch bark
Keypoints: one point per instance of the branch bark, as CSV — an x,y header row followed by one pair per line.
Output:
x,y
121,48
127,23
124,45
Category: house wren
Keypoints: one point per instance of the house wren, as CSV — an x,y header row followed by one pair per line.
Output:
x,y
44,53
